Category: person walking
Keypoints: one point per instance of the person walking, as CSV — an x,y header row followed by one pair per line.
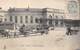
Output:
x,y
69,31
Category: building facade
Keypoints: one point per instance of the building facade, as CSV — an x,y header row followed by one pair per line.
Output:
x,y
55,17
33,16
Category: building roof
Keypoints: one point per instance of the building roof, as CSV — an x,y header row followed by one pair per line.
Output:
x,y
35,10
24,9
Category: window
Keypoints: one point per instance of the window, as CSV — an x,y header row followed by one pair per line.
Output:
x,y
31,19
15,19
53,14
36,20
0,19
21,21
56,22
50,16
50,21
56,17
26,19
41,20
61,17
11,18
5,19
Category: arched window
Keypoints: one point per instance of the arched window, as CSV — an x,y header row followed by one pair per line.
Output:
x,y
53,14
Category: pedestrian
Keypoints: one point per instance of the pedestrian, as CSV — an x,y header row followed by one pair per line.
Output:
x,y
69,31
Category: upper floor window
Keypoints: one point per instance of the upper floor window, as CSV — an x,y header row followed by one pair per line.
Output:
x,y
50,16
16,19
62,17
36,20
26,19
0,19
5,19
10,18
56,17
31,19
21,19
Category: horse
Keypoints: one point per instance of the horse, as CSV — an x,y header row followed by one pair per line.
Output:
x,y
5,34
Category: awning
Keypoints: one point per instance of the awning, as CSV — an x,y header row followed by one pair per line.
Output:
x,y
72,22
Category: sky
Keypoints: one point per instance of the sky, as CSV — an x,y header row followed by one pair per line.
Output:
x,y
5,4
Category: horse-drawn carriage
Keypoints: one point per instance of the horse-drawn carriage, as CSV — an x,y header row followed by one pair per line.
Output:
x,y
4,33
5,28
24,30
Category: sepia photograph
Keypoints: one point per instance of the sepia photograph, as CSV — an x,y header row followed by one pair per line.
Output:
x,y
39,24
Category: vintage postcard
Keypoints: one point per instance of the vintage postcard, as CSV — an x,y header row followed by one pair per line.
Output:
x,y
39,24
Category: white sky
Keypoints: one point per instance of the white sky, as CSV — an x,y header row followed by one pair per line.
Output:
x,y
5,4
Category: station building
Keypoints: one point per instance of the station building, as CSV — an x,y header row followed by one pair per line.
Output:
x,y
33,16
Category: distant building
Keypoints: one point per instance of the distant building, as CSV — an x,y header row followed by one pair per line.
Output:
x,y
73,9
73,12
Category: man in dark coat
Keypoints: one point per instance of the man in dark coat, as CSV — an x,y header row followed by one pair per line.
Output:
x,y
69,31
